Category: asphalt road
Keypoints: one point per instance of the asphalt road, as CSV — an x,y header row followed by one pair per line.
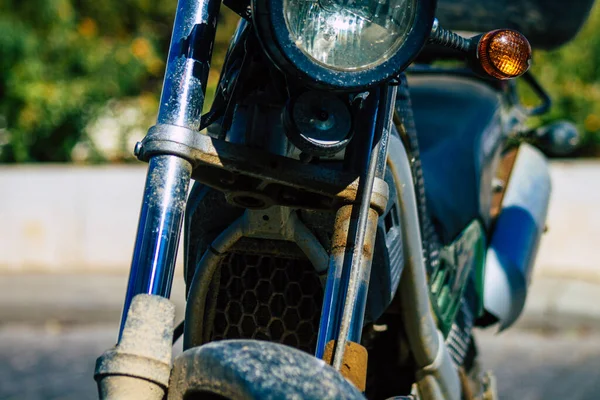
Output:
x,y
57,363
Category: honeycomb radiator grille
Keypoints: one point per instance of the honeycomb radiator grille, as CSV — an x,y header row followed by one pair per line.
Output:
x,y
268,298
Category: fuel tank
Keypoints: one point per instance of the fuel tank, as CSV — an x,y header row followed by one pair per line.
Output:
x,y
547,24
516,236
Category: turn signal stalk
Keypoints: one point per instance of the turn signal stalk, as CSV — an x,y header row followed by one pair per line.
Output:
x,y
500,54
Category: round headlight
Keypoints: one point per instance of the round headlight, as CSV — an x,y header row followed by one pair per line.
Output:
x,y
349,34
343,44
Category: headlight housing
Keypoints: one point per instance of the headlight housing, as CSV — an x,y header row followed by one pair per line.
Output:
x,y
343,44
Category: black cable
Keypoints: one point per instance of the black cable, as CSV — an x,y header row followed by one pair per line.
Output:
x,y
178,331
537,88
431,242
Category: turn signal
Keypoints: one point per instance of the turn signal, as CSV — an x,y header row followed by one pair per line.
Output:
x,y
504,53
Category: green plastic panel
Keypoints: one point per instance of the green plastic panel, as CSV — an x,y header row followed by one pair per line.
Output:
x,y
463,257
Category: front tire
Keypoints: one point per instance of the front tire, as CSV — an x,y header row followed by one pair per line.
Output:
x,y
251,370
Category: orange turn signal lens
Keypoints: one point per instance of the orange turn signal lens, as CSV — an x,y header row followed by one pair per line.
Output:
x,y
504,53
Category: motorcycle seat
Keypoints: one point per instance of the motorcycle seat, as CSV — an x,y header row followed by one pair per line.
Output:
x,y
459,133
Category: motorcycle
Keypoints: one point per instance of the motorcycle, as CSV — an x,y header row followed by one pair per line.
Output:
x,y
360,204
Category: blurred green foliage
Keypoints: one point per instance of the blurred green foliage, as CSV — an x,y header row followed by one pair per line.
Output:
x,y
571,74
62,61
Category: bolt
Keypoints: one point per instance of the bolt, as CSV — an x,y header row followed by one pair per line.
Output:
x,y
498,185
435,26
137,149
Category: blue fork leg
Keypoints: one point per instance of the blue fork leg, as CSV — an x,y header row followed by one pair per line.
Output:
x,y
168,176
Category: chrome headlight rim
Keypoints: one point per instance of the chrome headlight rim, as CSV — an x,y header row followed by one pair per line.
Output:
x,y
275,37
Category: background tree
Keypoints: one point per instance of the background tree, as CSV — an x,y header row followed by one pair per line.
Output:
x,y
571,74
64,63
61,61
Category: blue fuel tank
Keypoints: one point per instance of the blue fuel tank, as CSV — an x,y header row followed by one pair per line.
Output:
x,y
516,236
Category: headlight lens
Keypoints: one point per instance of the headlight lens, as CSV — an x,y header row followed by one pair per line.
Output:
x,y
349,34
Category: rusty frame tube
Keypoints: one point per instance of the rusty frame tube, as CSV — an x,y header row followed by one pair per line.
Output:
x,y
351,255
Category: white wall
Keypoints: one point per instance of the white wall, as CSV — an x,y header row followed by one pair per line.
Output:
x,y
571,247
72,218
66,218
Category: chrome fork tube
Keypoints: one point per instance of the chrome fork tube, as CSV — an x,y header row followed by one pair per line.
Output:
x,y
158,229
168,178
188,64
